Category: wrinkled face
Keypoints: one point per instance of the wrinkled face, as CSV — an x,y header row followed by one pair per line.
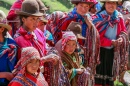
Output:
x,y
70,46
93,10
110,7
32,66
30,22
82,8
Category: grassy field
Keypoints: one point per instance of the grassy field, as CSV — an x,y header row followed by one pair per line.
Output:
x,y
54,5
5,5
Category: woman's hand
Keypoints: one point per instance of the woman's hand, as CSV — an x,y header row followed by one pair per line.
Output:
x,y
9,76
114,42
118,41
88,22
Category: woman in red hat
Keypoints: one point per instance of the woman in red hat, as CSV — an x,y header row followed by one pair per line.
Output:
x,y
78,14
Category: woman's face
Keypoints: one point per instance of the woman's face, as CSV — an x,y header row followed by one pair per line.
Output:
x,y
82,8
110,7
30,23
32,66
70,46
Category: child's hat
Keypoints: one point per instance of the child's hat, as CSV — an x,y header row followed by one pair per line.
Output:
x,y
27,54
67,36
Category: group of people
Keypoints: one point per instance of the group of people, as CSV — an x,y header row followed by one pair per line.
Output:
x,y
84,47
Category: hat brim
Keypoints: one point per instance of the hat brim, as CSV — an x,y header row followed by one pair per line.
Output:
x,y
45,9
79,36
44,20
110,0
76,2
29,14
8,27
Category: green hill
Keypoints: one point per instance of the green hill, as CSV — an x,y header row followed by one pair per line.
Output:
x,y
63,5
55,5
5,5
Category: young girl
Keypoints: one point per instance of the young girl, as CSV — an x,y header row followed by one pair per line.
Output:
x,y
28,69
8,52
72,61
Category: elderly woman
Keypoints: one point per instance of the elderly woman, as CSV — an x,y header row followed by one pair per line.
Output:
x,y
114,43
8,52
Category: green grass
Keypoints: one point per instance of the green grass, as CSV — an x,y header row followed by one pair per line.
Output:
x,y
117,83
55,5
5,5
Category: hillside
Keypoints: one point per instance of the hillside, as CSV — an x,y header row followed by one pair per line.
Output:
x,y
63,5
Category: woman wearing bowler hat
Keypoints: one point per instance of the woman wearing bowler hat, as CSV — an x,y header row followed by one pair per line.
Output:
x,y
27,35
12,17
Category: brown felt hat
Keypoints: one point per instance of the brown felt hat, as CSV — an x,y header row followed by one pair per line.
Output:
x,y
30,8
43,19
82,1
76,28
41,5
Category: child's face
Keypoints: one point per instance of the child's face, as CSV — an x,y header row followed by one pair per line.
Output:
x,y
33,66
70,46
41,25
30,22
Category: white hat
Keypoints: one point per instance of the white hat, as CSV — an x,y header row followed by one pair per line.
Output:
x,y
110,0
126,5
3,21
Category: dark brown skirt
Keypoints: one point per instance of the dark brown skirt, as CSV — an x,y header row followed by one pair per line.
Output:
x,y
104,69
